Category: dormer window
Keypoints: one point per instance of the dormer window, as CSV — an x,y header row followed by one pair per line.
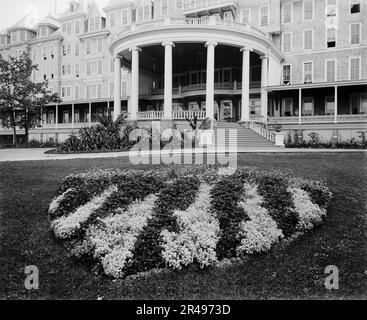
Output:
x,y
94,23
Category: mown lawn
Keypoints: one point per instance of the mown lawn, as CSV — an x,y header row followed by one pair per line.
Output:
x,y
295,272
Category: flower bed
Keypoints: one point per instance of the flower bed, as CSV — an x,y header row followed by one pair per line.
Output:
x,y
134,221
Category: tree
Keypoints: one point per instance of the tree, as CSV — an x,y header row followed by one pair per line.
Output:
x,y
21,99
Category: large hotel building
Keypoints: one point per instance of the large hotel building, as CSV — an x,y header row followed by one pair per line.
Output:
x,y
298,64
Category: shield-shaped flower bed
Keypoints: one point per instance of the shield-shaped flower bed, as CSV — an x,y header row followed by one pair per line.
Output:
x,y
137,220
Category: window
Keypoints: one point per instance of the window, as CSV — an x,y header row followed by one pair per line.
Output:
x,y
164,8
287,109
77,29
355,68
331,37
355,6
308,9
287,74
64,50
245,16
76,92
77,71
355,33
287,42
65,92
308,39
88,69
112,89
287,12
44,53
124,89
125,19
34,54
87,47
68,30
112,65
64,27
330,70
330,105
264,16
69,49
307,72
52,52
331,13
100,44
99,66
307,106
179,4
77,49
112,19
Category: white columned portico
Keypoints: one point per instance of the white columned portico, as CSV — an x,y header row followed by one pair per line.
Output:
x,y
134,105
117,89
264,84
210,79
168,76
245,104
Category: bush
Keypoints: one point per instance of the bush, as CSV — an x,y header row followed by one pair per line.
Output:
x,y
136,220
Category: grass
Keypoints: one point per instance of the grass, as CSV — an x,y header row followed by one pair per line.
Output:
x,y
295,272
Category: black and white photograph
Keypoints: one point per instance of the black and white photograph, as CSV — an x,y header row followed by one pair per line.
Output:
x,y
194,153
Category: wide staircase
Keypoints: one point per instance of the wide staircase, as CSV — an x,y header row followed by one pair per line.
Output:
x,y
243,138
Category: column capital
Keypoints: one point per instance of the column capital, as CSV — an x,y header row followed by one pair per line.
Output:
x,y
264,57
117,56
244,49
211,43
135,49
168,43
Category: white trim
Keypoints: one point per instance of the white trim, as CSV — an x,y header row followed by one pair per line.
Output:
x,y
313,10
268,7
283,6
335,70
303,70
249,15
312,39
360,67
291,44
350,33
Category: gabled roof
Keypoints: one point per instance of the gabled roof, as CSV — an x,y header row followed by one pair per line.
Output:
x,y
92,8
27,22
79,8
117,3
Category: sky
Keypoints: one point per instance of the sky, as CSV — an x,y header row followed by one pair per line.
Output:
x,y
11,11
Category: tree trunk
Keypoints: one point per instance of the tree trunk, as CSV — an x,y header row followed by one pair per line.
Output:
x,y
14,130
26,127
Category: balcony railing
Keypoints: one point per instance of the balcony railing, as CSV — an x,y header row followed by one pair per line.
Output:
x,y
320,119
150,115
192,22
200,5
176,115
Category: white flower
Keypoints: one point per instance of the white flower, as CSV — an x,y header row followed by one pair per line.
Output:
x,y
114,237
198,234
54,205
310,214
261,232
66,226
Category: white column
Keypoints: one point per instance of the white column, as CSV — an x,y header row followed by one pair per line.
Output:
x,y
299,106
57,117
117,89
134,105
336,104
245,105
264,84
72,116
210,79
168,79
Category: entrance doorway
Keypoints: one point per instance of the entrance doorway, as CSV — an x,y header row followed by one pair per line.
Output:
x,y
226,111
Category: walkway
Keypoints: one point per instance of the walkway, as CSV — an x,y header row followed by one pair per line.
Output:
x,y
13,155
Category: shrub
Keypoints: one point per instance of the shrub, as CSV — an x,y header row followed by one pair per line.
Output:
x,y
225,196
278,202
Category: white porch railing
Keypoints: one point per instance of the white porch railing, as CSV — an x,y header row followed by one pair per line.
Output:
x,y
182,115
150,115
344,118
262,131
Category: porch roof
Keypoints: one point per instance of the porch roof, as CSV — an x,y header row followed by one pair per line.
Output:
x,y
318,85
